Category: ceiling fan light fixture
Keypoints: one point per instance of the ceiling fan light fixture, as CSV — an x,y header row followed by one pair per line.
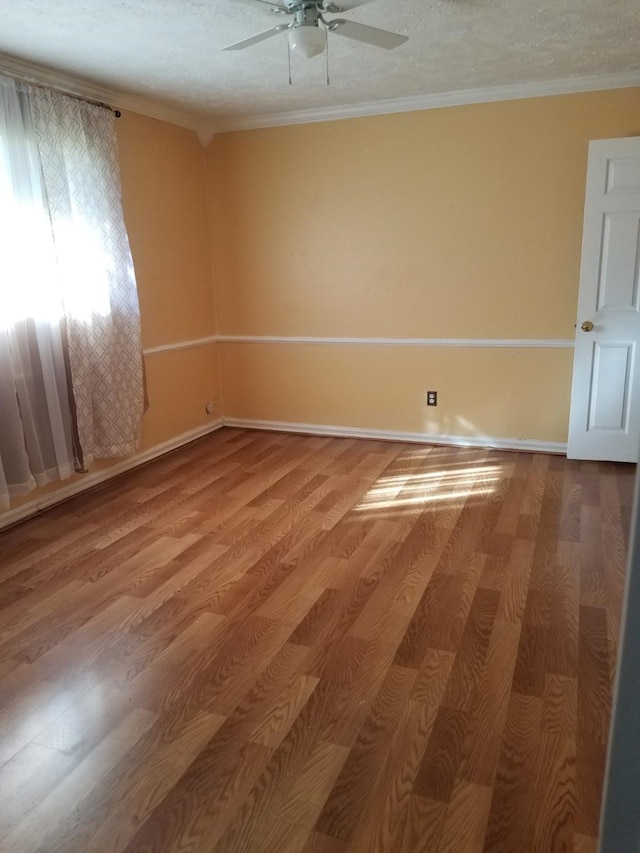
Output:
x,y
307,41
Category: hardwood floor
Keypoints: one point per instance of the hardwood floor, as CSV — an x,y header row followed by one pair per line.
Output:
x,y
285,644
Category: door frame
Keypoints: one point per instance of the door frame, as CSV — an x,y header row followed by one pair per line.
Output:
x,y
620,818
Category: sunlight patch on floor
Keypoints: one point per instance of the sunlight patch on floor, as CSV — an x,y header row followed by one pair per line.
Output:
x,y
399,490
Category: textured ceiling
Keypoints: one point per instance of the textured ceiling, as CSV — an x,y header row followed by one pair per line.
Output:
x,y
169,50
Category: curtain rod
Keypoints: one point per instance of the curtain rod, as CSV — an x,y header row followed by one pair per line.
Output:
x,y
104,106
19,79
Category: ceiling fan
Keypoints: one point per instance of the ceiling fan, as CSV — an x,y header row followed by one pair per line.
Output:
x,y
309,28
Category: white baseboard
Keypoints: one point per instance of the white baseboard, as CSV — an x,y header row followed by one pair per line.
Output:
x,y
88,481
526,444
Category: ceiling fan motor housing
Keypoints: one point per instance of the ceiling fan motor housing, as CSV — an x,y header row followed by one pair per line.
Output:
x,y
307,18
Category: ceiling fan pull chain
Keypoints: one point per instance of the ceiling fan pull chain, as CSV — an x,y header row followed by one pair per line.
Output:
x,y
289,55
327,55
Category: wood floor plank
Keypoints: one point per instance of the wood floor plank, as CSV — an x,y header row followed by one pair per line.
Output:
x,y
346,802
132,790
593,677
531,664
487,718
201,804
319,843
269,643
433,678
590,768
383,824
60,807
37,708
444,754
560,708
468,667
271,787
555,800
274,725
585,844
79,729
306,798
278,837
512,816
27,778
466,818
424,825
513,595
357,669
592,576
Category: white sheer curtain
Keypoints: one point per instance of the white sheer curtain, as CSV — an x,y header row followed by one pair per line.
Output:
x,y
71,373
36,437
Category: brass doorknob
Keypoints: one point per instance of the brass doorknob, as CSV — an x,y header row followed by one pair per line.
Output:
x,y
587,326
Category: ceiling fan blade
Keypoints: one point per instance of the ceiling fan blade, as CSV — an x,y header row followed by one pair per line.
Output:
x,y
275,6
343,5
267,34
369,35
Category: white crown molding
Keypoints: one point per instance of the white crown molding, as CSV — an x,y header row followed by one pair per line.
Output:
x,y
529,445
206,133
181,345
89,481
512,343
486,94
38,75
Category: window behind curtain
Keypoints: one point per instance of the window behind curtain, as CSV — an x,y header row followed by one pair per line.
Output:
x,y
70,354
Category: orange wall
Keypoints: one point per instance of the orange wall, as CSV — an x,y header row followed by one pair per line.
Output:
x,y
461,222
384,388
165,207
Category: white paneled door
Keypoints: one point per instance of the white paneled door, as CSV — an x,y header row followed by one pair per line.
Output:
x,y
605,399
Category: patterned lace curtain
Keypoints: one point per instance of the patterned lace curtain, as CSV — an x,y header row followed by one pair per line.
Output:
x,y
71,372
79,160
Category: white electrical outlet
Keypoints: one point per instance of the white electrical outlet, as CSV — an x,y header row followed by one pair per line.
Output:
x,y
209,407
